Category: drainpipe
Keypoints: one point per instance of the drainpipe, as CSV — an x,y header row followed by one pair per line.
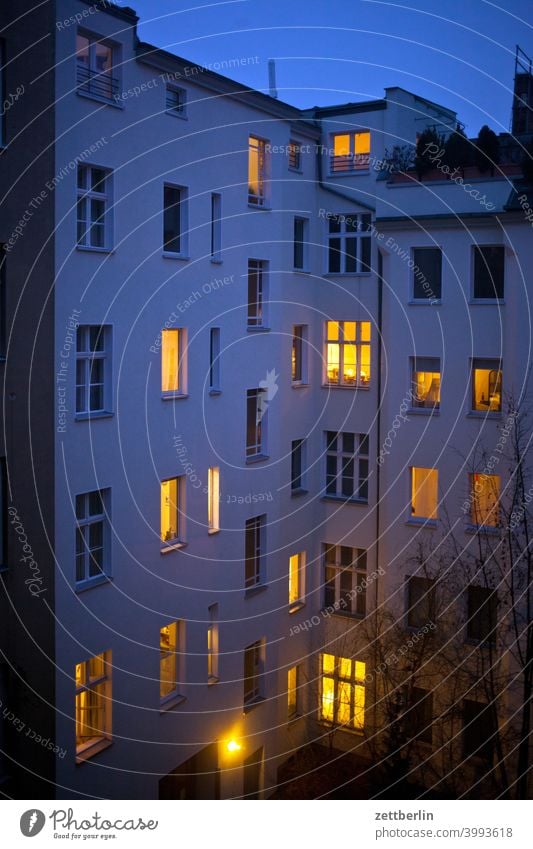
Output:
x,y
378,466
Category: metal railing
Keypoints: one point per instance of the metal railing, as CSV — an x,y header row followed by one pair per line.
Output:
x,y
97,83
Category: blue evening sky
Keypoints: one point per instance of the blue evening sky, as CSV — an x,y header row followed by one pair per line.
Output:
x,y
459,53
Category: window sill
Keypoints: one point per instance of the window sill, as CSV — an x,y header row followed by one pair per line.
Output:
x,y
346,614
352,386
492,530
253,704
216,260
335,274
172,255
334,726
300,384
343,499
172,546
91,249
481,414
212,531
214,392
250,592
260,207
295,493
173,396
170,703
424,411
426,302
90,583
296,606
301,270
92,751
351,172
257,328
87,417
294,170
182,117
106,101
483,302
212,680
422,523
257,458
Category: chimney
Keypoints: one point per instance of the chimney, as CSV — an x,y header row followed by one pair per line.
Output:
x,y
272,78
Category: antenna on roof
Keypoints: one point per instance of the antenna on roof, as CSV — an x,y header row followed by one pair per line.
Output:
x,y
272,90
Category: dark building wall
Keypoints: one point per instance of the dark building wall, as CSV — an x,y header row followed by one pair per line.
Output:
x,y
27,397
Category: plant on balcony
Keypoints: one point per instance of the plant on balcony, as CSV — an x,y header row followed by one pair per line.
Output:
x,y
427,147
487,150
457,150
400,159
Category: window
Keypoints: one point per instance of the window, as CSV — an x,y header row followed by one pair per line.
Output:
x,y
420,602
425,383
173,361
424,493
299,354
427,274
2,92
348,353
479,729
94,207
174,220
482,613
212,644
294,156
213,499
298,465
254,551
418,718
257,172
252,775
172,513
484,497
301,239
345,579
94,74
3,298
92,368
255,423
168,665
253,672
214,359
92,535
489,265
349,243
342,696
296,581
176,101
216,226
350,152
292,692
257,292
347,465
3,515
487,386
93,701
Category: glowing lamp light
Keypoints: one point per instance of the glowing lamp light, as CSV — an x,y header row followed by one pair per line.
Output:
x,y
233,746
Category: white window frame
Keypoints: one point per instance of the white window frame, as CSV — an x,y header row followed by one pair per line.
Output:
x,y
86,356
258,146
94,744
257,448
351,163
213,499
257,314
214,360
254,540
299,445
183,210
476,364
362,221
359,457
352,601
179,540
304,241
216,227
339,680
83,529
299,351
417,404
85,196
179,109
90,87
358,343
297,594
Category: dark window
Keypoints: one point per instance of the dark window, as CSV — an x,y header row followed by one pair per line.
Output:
x,y
489,262
297,470
173,220
252,774
420,602
214,358
300,227
92,368
427,274
255,422
3,302
349,243
253,551
295,156
418,717
3,513
479,728
482,606
175,101
94,74
345,579
347,465
252,672
92,535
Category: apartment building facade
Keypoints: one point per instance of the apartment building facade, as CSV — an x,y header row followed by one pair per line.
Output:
x,y
227,324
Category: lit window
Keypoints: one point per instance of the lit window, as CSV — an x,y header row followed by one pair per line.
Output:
x,y
168,668
172,356
93,702
175,101
296,580
92,535
93,366
213,498
342,696
420,602
257,292
348,353
427,274
345,579
216,226
487,386
424,493
298,465
93,207
425,380
479,730
292,692
298,354
347,465
489,270
484,496
257,172
482,610
171,510
418,716
256,415
349,243
254,551
351,152
94,74
175,220
214,359
212,644
295,156
253,672
301,227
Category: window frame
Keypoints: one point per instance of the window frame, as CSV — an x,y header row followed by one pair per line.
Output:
x,y
497,364
212,640
214,360
257,449
477,727
86,522
255,694
182,236
4,516
181,366
216,227
87,357
297,576
298,448
419,519
88,684
472,479
86,88
426,299
415,717
363,229
303,242
293,692
358,456
294,149
418,406
255,552
477,250
426,594
257,303
176,651
358,344
3,299
177,541
481,619
354,682
213,499
179,110
357,566
87,196
299,355
261,200
349,159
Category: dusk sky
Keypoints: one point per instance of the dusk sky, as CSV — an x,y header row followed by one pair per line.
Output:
x,y
460,53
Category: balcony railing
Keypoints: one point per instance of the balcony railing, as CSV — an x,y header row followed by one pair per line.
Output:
x,y
97,83
350,162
